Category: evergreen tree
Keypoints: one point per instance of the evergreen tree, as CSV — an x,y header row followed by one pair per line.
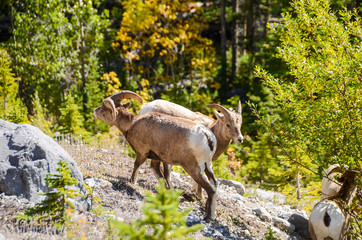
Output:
x,y
57,201
71,120
161,216
11,107
39,118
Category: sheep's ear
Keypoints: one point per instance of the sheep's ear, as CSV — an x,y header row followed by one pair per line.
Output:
x,y
108,104
218,115
240,109
127,104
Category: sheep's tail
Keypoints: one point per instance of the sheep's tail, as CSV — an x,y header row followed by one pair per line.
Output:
x,y
211,140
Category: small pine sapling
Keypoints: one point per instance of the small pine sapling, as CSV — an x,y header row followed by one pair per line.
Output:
x,y
161,218
270,234
57,203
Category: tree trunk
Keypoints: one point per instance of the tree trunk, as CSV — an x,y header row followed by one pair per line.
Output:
x,y
250,26
83,70
298,185
266,18
223,42
235,39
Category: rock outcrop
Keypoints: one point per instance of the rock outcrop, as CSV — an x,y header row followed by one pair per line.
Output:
x,y
26,156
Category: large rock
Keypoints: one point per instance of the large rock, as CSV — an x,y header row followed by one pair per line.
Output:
x,y
26,156
301,225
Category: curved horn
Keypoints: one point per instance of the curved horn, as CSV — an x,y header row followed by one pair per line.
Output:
x,y
126,94
108,103
222,109
239,110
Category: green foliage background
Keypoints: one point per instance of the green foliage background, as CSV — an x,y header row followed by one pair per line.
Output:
x,y
298,75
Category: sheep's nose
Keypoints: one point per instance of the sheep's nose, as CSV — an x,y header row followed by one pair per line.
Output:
x,y
240,139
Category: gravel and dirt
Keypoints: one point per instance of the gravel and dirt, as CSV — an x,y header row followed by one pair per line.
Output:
x,y
108,172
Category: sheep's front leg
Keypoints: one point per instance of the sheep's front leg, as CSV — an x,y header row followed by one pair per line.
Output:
x,y
139,161
155,167
197,189
210,174
167,174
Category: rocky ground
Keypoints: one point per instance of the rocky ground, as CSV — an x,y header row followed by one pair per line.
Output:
x,y
108,171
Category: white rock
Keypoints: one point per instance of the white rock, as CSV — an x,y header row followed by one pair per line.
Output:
x,y
97,182
237,197
284,215
263,214
270,196
119,219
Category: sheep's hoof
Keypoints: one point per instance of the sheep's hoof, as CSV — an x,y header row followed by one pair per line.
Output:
x,y
209,219
132,182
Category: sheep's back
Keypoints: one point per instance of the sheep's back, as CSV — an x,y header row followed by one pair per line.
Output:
x,y
173,109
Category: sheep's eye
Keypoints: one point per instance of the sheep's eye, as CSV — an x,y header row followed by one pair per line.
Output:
x,y
228,125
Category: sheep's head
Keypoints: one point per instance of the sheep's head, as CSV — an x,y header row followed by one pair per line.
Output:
x,y
112,105
332,181
231,122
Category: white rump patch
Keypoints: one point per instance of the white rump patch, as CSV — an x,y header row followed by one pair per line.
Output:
x,y
199,143
327,213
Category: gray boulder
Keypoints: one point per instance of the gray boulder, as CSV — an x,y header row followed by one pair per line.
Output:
x,y
301,225
239,188
26,156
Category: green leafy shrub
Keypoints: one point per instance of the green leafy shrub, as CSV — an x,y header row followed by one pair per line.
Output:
x,y
322,123
161,218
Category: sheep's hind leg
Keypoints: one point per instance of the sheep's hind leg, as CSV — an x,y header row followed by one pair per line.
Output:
x,y
196,173
210,175
139,161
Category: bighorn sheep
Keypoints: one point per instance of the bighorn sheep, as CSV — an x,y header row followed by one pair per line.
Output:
x,y
165,138
332,181
329,218
225,128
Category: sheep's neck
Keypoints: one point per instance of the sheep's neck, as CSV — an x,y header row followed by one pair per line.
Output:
x,y
222,142
124,121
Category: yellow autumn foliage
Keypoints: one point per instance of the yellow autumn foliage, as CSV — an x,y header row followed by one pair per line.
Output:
x,y
113,83
166,33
